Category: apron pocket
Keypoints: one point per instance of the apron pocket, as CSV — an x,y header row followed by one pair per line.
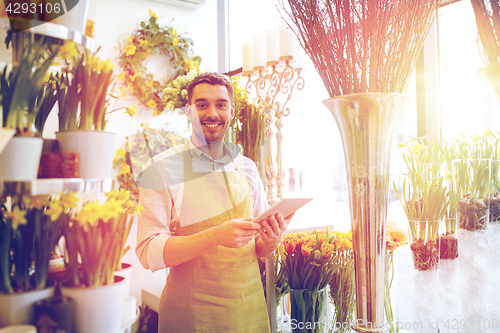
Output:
x,y
228,298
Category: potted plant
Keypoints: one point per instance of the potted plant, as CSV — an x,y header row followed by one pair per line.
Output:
x,y
27,99
97,229
30,228
83,95
425,201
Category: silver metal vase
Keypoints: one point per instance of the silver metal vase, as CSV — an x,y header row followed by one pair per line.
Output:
x,y
366,122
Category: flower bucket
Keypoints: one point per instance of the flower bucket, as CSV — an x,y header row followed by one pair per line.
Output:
x,y
17,308
99,309
76,17
308,311
96,150
20,159
126,273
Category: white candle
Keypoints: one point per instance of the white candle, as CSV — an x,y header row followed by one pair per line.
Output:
x,y
287,38
247,57
259,51
272,45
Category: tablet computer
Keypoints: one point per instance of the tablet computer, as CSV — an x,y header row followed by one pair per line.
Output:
x,y
285,207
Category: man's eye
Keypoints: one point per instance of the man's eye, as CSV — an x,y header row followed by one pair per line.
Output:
x,y
222,105
201,106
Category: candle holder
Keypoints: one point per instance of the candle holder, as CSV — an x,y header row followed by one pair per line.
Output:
x,y
274,84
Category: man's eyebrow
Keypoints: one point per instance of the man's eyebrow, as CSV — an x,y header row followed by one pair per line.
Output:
x,y
206,100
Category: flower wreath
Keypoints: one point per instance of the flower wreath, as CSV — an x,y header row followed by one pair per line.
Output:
x,y
151,38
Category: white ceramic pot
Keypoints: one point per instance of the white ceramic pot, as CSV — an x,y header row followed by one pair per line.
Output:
x,y
99,309
20,159
96,149
126,273
18,329
17,308
76,18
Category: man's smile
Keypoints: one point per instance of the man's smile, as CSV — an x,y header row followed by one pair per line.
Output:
x,y
211,125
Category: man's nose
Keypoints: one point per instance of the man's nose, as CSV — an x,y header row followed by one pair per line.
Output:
x,y
212,111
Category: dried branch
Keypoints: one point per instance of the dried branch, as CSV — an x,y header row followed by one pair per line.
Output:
x,y
361,45
487,15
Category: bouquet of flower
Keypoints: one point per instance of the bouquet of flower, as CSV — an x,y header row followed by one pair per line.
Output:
x,y
82,92
309,264
342,283
97,235
29,232
395,238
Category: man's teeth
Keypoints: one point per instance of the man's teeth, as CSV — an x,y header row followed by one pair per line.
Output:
x,y
212,125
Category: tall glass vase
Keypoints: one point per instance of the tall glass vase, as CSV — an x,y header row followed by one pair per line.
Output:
x,y
366,122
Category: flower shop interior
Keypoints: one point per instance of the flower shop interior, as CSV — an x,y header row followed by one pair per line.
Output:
x,y
386,113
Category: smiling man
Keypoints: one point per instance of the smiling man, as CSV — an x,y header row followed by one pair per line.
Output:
x,y
199,201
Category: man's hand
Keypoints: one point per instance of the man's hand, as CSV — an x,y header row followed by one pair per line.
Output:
x,y
238,232
273,229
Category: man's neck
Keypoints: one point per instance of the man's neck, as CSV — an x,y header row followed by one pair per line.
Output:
x,y
213,149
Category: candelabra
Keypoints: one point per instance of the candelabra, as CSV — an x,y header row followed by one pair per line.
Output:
x,y
274,84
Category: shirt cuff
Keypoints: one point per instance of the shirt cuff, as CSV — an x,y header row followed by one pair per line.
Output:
x,y
155,252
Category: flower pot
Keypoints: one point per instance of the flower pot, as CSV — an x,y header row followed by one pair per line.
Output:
x,y
308,311
98,309
126,273
96,150
20,159
75,18
54,314
17,308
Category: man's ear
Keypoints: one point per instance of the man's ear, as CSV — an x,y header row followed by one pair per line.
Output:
x,y
232,111
188,110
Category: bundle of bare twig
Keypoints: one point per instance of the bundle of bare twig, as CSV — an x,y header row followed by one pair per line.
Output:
x,y
487,15
361,45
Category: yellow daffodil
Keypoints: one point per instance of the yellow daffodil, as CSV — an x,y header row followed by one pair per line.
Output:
x,y
153,14
131,110
69,200
121,76
68,50
133,160
111,210
54,210
125,169
121,152
122,90
156,113
174,32
17,217
147,53
142,42
175,41
130,49
151,104
132,77
130,39
89,214
150,84
138,209
145,125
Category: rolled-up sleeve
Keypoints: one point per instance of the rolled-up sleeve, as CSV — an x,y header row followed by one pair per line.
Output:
x,y
153,227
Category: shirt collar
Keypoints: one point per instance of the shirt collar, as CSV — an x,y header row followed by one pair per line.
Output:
x,y
231,151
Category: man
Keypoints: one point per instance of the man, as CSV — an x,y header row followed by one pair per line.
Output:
x,y
199,201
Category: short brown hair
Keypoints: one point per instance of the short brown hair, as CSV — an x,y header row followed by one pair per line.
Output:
x,y
212,78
